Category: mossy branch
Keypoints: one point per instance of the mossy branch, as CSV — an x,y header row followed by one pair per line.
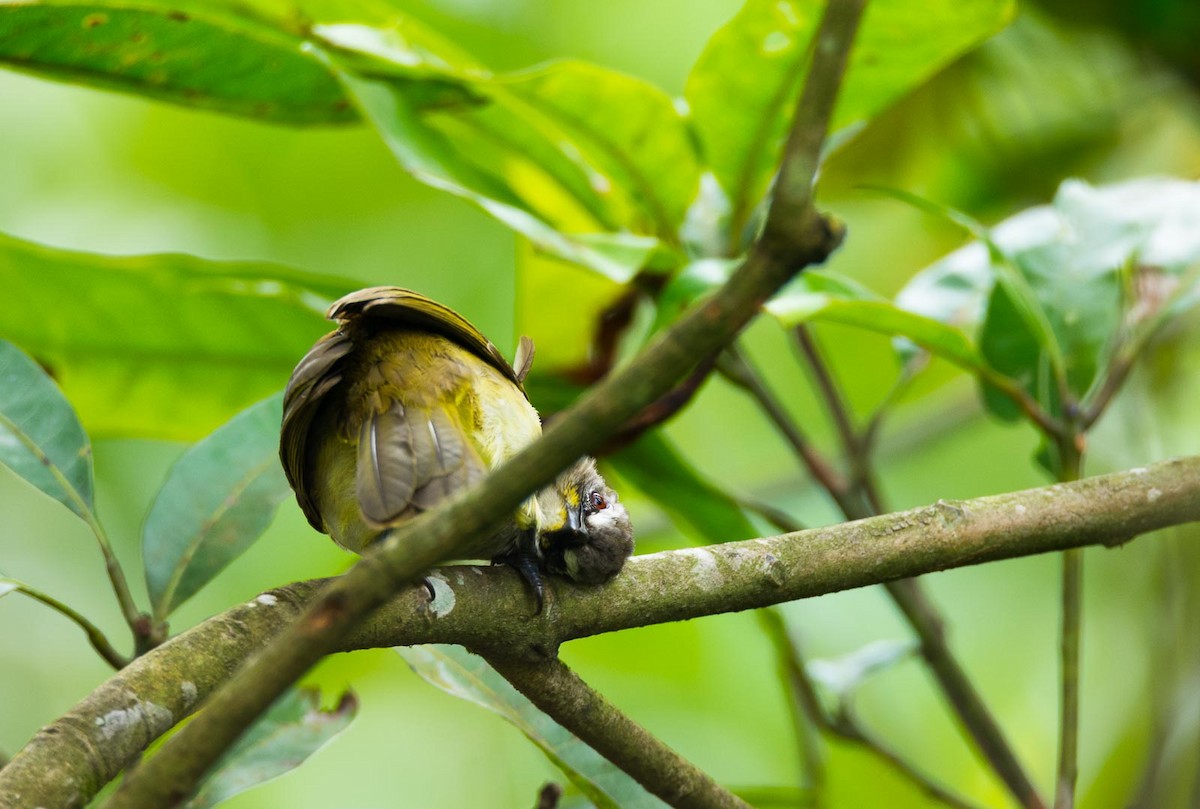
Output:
x,y
68,761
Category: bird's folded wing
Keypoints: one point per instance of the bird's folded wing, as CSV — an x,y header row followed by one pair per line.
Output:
x,y
315,376
409,459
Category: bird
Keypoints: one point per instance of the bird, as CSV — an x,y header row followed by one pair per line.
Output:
x,y
406,404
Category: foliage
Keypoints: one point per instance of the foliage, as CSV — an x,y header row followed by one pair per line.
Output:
x,y
638,202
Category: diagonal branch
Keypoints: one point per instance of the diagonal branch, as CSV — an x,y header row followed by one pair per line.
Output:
x,y
560,693
68,761
794,236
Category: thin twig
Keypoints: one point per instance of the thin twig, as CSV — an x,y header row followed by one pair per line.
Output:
x,y
575,705
1072,619
966,702
808,717
95,635
736,368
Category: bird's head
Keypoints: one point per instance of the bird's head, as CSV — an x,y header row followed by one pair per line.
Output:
x,y
593,536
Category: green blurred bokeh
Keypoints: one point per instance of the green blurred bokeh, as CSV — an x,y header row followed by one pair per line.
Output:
x,y
96,171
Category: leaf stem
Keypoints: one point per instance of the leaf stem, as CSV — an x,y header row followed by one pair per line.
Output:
x,y
95,636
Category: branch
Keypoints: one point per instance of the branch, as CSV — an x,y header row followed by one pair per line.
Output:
x,y
68,761
560,693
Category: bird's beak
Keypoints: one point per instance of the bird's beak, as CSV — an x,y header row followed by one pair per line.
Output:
x,y
575,528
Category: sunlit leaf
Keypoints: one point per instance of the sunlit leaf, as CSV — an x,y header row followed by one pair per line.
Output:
x,y
293,729
629,128
163,346
469,677
240,58
560,153
40,437
844,675
741,115
216,501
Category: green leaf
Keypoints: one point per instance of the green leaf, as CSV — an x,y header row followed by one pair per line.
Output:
x,y
559,153
239,58
655,467
1046,292
293,729
741,115
628,127
216,501
843,675
466,676
40,437
162,346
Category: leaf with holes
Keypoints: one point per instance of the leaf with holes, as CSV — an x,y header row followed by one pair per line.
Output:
x,y
216,501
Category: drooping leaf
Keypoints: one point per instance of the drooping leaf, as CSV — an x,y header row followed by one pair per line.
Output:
x,y
217,500
466,676
563,153
742,115
293,729
239,58
162,346
40,437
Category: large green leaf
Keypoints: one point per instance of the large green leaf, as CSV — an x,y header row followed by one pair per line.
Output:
x,y
743,89
164,346
241,58
293,729
40,437
572,156
466,676
216,501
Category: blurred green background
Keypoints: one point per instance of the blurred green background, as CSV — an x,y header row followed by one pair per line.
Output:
x,y
1054,96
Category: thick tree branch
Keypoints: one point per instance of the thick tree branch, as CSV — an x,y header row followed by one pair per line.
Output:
x,y
486,609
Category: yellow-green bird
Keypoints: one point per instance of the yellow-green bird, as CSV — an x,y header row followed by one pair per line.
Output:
x,y
406,404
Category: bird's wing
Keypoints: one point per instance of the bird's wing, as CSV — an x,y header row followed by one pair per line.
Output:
x,y
400,307
318,373
410,457
523,359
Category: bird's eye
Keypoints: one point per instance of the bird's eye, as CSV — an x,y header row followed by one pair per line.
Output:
x,y
598,501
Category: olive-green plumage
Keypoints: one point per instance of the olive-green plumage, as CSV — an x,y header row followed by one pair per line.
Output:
x,y
407,403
